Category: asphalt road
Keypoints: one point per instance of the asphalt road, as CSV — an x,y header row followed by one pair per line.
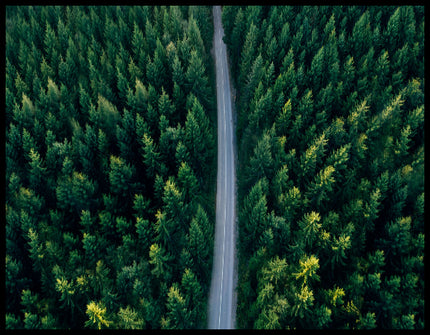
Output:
x,y
222,297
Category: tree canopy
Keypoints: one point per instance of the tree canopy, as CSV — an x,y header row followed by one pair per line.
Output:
x,y
108,116
331,164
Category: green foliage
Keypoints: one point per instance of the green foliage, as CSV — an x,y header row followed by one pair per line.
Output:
x,y
330,111
307,270
177,314
97,316
198,139
159,260
254,215
96,111
261,163
110,156
75,192
120,176
128,318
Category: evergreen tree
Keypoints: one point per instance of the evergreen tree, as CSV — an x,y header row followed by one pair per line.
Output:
x,y
150,156
129,319
97,316
196,140
254,214
200,251
196,80
261,163
120,176
249,47
177,314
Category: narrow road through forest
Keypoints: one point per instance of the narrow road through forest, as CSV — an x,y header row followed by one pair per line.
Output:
x,y
222,298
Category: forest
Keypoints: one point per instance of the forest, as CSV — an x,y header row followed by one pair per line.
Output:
x,y
110,166
330,129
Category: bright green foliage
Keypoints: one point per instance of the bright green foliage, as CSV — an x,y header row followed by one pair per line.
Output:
x,y
275,272
159,260
129,319
307,270
67,292
97,316
303,301
322,186
177,314
310,226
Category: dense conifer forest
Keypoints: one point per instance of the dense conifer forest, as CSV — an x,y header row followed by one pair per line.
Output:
x,y
110,156
330,104
110,169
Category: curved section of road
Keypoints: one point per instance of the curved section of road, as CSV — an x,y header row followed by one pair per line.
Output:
x,y
222,298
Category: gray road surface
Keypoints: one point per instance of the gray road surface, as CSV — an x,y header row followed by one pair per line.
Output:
x,y
222,298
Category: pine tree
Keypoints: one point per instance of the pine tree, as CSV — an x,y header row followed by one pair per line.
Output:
x,y
312,156
361,34
160,65
367,321
150,156
97,316
75,192
37,172
188,183
160,262
171,223
121,175
261,163
128,318
253,215
248,53
194,298
65,288
144,233
197,81
178,74
321,188
194,36
339,248
309,227
125,136
302,303
177,314
236,39
196,141
166,107
122,84
284,119
36,250
199,251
